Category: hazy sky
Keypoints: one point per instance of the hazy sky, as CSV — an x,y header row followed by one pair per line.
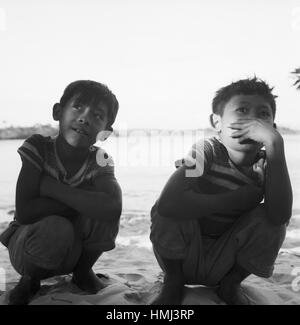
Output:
x,y
164,59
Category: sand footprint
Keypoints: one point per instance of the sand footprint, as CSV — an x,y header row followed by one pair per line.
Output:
x,y
131,277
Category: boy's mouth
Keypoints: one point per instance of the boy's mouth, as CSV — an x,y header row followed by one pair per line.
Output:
x,y
80,131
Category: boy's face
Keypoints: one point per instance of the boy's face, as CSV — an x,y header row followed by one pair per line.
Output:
x,y
79,124
242,107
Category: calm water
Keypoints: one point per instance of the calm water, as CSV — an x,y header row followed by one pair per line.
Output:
x,y
143,165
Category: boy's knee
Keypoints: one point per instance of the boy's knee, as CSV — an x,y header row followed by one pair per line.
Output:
x,y
162,226
54,231
184,227
49,242
171,238
100,235
257,231
265,229
269,231
260,213
260,242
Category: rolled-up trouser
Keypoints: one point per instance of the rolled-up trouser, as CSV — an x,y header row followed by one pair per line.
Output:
x,y
252,242
55,243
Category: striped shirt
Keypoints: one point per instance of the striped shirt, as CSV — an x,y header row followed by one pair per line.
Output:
x,y
208,160
41,152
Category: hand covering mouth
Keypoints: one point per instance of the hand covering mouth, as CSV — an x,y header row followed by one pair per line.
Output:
x,y
248,141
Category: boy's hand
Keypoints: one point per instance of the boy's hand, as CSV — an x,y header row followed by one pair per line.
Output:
x,y
255,129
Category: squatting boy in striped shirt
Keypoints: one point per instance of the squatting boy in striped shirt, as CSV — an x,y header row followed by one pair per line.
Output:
x,y
68,202
209,226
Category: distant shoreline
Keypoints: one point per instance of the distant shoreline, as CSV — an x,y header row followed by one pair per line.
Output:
x,y
19,132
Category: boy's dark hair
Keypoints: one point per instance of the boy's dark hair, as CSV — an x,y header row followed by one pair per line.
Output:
x,y
92,93
253,86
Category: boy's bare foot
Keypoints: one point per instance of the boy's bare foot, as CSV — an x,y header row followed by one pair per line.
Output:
x,y
233,295
171,292
24,291
88,282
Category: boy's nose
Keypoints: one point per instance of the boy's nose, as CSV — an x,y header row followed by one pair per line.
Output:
x,y
82,120
84,117
252,115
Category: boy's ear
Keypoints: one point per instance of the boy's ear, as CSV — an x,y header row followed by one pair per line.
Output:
x,y
215,121
56,111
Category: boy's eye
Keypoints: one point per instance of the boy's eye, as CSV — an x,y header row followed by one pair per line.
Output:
x,y
242,109
77,106
265,114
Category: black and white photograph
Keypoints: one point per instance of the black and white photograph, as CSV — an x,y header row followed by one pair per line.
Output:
x,y
150,154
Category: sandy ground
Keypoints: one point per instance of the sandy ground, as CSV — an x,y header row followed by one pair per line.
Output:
x,y
134,278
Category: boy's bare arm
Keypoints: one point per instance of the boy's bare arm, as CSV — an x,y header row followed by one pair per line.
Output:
x,y
180,201
30,207
101,201
278,189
